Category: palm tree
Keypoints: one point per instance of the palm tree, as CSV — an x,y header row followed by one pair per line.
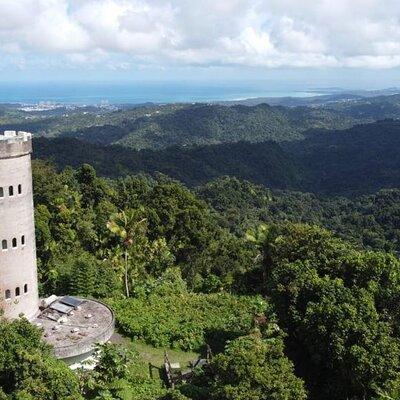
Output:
x,y
128,226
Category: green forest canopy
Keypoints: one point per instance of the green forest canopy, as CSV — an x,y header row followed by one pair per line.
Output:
x,y
360,160
291,310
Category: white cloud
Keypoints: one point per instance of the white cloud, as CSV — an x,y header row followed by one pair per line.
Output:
x,y
270,33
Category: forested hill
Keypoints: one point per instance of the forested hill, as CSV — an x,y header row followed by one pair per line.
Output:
x,y
204,124
161,126
264,163
213,124
360,160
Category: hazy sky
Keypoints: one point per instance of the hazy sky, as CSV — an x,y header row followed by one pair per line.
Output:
x,y
315,41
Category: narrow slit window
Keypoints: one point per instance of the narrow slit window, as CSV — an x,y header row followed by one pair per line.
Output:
x,y
23,240
11,191
19,189
8,294
26,288
4,244
1,192
14,243
17,291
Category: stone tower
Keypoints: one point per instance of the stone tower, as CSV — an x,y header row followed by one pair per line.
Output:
x,y
18,275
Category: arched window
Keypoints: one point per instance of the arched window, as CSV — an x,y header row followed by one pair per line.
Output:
x,y
23,240
1,192
8,294
17,291
14,243
26,288
19,189
4,244
11,191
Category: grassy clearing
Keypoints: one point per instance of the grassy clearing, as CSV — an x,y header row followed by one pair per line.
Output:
x,y
151,359
155,356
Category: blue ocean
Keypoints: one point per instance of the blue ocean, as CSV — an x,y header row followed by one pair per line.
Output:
x,y
91,93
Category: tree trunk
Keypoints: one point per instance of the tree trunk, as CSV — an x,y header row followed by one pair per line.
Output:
x,y
126,274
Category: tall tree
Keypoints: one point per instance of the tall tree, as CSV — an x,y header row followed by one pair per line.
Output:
x,y
130,227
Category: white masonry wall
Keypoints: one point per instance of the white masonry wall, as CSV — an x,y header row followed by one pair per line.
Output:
x,y
18,274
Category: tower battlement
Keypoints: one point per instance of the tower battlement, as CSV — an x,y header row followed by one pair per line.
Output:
x,y
15,144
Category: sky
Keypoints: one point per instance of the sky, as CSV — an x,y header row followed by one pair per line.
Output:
x,y
330,42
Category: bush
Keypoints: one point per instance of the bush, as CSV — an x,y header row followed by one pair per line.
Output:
x,y
188,320
256,369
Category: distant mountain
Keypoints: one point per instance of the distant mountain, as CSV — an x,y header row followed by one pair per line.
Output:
x,y
318,100
323,96
205,124
162,126
362,159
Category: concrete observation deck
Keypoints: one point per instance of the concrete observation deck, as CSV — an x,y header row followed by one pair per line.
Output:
x,y
74,329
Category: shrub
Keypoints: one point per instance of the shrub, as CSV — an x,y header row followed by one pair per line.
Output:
x,y
188,320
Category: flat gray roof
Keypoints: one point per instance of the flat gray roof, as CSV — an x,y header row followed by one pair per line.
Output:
x,y
77,332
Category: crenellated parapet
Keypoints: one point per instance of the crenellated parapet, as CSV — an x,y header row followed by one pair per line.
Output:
x,y
15,144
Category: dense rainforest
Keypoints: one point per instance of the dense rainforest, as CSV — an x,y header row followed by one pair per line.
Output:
x,y
359,160
290,309
270,234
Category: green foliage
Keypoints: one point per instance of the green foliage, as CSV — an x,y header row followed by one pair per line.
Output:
x,y
254,369
360,160
187,320
266,163
223,265
27,368
83,239
333,302
130,227
155,126
174,395
119,375
336,303
83,275
168,283
369,221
